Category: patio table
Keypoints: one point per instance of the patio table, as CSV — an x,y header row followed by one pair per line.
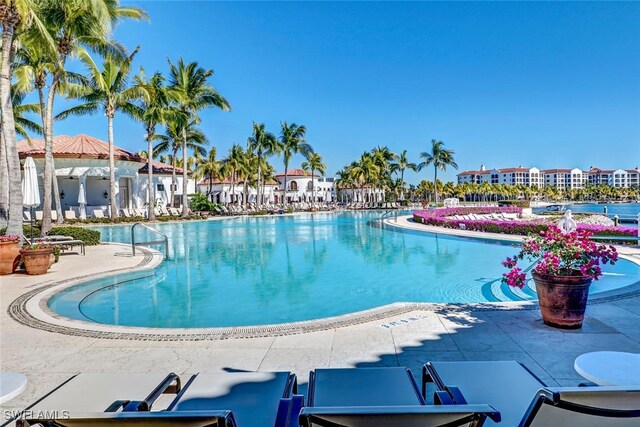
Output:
x,y
609,368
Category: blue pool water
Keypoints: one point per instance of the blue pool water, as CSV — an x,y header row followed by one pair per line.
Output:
x,y
255,271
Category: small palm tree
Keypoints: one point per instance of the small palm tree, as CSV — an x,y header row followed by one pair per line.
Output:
x,y
211,168
191,93
170,142
262,143
232,165
440,158
401,164
314,163
292,142
106,88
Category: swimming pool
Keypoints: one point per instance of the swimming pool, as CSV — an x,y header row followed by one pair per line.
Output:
x,y
268,270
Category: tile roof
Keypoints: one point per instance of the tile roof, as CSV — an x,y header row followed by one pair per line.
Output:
x,y
75,147
556,171
294,172
474,173
513,170
227,180
159,168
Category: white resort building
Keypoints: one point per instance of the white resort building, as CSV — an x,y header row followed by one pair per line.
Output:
x,y
559,178
82,170
300,188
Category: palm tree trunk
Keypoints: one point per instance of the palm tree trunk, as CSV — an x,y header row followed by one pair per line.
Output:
x,y
14,225
258,200
112,172
185,175
47,183
402,184
174,180
313,187
233,186
152,189
4,184
284,193
435,185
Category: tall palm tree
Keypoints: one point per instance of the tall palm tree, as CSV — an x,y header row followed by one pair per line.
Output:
x,y
75,28
176,133
262,143
23,125
107,88
16,18
440,158
314,163
401,164
154,109
292,142
190,91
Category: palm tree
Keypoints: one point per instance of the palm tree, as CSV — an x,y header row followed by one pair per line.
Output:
x,y
17,17
172,140
232,164
189,89
73,27
314,163
23,124
263,143
401,164
440,158
209,168
106,87
292,142
154,108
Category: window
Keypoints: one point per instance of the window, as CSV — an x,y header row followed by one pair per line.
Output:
x,y
293,186
160,187
309,185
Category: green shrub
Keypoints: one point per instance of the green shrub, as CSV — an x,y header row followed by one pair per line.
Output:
x,y
26,231
89,237
521,203
199,202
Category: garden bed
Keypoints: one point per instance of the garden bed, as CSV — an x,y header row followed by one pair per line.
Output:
x,y
442,218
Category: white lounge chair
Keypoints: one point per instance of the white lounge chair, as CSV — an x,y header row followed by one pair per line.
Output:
x,y
38,215
97,213
70,215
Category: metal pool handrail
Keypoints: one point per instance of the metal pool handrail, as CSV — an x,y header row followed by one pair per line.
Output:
x,y
164,241
384,215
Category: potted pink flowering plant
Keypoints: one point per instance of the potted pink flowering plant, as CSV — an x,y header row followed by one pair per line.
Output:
x,y
566,263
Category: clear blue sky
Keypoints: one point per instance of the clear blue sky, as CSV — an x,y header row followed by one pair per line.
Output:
x,y
504,84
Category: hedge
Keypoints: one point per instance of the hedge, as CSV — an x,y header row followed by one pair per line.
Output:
x,y
26,231
439,218
89,237
519,203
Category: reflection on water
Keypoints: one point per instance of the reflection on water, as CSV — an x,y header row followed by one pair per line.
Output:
x,y
250,271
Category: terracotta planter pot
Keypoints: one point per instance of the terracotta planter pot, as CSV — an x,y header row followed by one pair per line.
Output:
x,y
563,299
36,261
9,257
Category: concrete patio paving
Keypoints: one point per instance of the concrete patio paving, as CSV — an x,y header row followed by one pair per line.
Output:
x,y
409,339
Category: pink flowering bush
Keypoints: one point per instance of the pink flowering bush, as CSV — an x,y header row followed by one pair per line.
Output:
x,y
560,254
442,218
9,238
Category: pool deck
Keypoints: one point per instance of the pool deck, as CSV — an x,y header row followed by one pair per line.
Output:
x,y
442,332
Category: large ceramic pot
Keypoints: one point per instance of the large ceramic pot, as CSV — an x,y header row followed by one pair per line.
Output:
x,y
563,299
36,261
9,257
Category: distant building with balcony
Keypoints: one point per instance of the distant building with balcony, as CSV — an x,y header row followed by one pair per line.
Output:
x,y
559,178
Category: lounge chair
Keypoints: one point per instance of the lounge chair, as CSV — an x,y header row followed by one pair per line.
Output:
x,y
96,393
26,217
175,211
54,215
97,213
38,215
524,400
70,215
224,399
376,397
126,213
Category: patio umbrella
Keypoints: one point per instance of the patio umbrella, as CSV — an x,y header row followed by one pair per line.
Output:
x,y
30,191
82,201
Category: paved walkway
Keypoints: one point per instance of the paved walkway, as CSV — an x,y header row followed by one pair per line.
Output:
x,y
408,340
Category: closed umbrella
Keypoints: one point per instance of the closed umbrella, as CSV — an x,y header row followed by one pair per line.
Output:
x,y
30,191
82,200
